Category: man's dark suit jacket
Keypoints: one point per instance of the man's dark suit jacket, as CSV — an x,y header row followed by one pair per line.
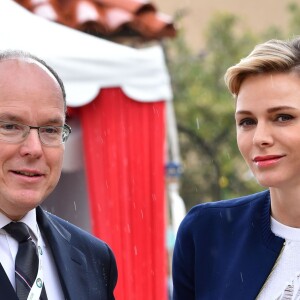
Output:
x,y
86,266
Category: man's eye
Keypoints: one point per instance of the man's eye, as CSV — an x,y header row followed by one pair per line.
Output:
x,y
10,127
51,130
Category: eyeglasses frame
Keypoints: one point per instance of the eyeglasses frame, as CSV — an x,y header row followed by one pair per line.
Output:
x,y
64,127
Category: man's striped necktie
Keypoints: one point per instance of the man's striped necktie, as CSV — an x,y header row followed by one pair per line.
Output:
x,y
27,261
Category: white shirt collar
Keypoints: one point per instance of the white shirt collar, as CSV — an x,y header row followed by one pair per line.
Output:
x,y
29,219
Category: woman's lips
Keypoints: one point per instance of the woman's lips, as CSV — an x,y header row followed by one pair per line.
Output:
x,y
267,160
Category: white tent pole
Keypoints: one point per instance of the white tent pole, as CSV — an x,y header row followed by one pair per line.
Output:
x,y
177,206
174,151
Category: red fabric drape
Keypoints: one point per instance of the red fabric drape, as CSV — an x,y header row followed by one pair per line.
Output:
x,y
124,152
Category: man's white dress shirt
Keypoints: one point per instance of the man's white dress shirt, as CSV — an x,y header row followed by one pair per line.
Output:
x,y
9,248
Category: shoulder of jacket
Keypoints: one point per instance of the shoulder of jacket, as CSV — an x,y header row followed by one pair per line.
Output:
x,y
74,234
230,203
210,208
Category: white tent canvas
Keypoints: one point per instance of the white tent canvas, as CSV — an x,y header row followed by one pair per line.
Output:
x,y
85,63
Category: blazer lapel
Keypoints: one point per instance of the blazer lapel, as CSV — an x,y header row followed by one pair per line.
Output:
x,y
6,289
70,262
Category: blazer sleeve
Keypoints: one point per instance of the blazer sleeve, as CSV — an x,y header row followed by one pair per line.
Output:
x,y
113,275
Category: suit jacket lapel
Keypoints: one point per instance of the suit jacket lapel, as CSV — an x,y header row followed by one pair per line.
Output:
x,y
70,261
6,289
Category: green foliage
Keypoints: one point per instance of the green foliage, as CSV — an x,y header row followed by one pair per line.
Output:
x,y
294,24
212,166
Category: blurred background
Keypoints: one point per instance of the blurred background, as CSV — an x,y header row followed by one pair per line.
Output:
x,y
213,35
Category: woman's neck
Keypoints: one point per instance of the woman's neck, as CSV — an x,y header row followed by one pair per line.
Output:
x,y
285,206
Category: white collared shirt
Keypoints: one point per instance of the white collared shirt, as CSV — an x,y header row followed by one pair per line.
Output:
x,y
8,252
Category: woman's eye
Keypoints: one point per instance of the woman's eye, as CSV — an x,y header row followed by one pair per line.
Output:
x,y
246,122
284,118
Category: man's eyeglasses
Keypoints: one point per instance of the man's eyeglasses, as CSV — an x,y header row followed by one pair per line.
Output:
x,y
49,135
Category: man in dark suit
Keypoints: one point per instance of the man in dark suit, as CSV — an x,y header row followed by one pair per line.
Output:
x,y
72,264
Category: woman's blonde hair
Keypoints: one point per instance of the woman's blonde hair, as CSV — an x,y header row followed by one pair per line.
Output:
x,y
271,56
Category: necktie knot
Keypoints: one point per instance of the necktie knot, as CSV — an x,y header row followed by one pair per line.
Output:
x,y
18,230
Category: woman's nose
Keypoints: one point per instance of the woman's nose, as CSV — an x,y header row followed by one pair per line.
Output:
x,y
262,135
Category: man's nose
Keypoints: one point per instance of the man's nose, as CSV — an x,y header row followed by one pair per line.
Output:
x,y
32,144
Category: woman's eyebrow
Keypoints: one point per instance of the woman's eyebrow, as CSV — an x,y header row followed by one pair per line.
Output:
x,y
269,110
278,108
243,112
